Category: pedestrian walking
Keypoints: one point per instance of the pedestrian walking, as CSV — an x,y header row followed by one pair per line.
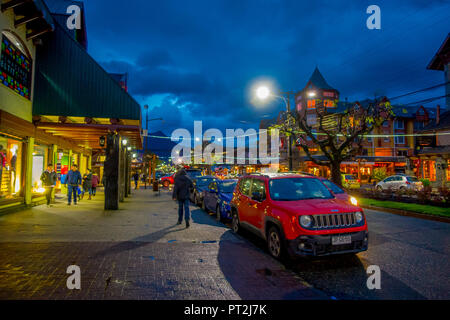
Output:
x,y
48,178
95,181
87,184
73,181
181,191
144,179
136,180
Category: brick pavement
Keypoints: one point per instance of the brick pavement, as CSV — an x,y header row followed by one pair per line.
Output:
x,y
137,252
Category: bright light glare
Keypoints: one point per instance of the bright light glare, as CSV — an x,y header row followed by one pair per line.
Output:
x,y
262,93
312,94
124,141
353,201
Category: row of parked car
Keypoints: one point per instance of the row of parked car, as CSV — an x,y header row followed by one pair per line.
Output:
x,y
297,214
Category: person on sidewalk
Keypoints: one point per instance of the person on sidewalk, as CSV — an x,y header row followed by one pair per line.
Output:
x,y
87,184
136,180
95,181
181,191
48,178
73,181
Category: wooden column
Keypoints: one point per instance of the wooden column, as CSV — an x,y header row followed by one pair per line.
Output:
x,y
111,172
29,170
127,173
121,172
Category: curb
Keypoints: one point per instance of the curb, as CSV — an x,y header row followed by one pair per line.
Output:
x,y
409,213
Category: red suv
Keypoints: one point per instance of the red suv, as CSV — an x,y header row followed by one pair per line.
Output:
x,y
297,215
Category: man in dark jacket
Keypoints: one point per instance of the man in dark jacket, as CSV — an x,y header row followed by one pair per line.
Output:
x,y
48,178
87,184
73,181
181,189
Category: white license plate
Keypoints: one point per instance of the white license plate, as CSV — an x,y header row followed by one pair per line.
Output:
x,y
336,240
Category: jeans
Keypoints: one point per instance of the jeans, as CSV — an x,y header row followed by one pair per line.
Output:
x,y
89,190
73,190
48,194
185,204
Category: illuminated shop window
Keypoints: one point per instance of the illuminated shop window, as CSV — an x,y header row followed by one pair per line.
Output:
x,y
40,158
10,167
312,104
429,171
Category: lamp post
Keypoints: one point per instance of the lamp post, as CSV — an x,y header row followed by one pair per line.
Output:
x,y
264,93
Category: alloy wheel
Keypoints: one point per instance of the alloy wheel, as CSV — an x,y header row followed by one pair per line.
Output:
x,y
274,243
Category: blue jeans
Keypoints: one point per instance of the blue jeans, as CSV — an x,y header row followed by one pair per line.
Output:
x,y
72,190
185,204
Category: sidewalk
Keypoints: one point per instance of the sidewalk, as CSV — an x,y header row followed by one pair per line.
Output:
x,y
137,252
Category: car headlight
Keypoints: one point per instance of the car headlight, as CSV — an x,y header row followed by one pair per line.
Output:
x,y
353,201
305,221
358,216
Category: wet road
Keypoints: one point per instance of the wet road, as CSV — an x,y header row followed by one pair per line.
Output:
x,y
413,256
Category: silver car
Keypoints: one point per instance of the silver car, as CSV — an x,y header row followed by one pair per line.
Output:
x,y
400,182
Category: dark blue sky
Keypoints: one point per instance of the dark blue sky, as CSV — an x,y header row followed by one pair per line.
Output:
x,y
197,59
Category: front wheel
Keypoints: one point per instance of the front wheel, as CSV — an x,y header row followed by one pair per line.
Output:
x,y
235,223
275,243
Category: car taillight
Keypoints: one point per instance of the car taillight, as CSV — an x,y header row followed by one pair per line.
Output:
x,y
407,182
359,180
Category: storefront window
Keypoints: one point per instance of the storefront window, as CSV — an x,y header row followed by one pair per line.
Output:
x,y
429,171
40,158
10,167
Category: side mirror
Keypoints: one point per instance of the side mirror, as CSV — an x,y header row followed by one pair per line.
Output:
x,y
257,196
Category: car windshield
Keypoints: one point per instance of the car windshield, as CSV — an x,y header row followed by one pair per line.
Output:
x,y
412,179
333,187
204,182
349,177
227,186
294,189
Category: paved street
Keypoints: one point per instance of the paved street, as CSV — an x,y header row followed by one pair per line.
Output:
x,y
135,253
139,253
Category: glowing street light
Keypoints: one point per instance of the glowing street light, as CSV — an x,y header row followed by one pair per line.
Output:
x,y
124,142
311,94
262,92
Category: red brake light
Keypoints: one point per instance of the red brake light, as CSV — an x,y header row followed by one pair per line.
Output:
x,y
407,182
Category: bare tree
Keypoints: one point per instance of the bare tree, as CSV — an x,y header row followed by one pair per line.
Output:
x,y
339,135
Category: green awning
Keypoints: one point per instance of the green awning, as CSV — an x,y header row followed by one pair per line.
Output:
x,y
69,82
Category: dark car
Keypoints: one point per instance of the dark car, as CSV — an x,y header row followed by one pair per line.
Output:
x,y
200,185
218,196
193,173
339,192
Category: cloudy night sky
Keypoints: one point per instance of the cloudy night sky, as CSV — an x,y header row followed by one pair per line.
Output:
x,y
197,60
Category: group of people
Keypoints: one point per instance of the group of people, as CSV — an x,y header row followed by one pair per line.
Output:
x,y
89,183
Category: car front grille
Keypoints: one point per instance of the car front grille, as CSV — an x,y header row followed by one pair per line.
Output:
x,y
338,220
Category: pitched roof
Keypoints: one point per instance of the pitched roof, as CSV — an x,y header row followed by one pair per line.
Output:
x,y
318,80
442,55
444,123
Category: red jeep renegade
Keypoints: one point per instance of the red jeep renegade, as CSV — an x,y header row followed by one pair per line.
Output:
x,y
297,215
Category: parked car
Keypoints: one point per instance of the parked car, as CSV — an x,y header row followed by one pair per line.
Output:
x,y
167,180
338,192
217,198
349,181
400,182
193,173
200,186
297,215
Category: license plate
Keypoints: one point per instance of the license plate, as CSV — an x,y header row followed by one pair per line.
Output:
x,y
336,240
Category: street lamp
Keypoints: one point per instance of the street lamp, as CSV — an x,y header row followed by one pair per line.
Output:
x,y
263,93
124,142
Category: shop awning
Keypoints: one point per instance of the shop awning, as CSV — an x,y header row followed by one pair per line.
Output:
x,y
78,95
